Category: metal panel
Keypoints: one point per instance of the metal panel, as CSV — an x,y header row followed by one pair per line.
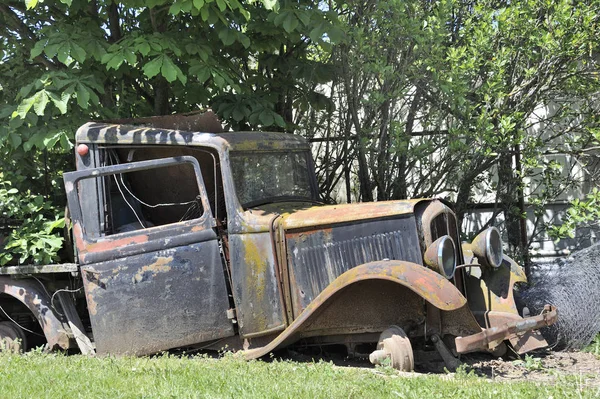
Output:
x,y
160,300
316,258
256,291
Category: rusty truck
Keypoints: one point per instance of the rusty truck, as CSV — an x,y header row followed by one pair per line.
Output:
x,y
219,240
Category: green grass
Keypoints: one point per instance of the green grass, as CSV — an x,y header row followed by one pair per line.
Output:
x,y
594,347
37,375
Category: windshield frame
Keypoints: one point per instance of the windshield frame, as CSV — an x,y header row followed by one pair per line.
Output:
x,y
312,180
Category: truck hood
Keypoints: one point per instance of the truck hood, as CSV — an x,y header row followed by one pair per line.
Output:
x,y
301,215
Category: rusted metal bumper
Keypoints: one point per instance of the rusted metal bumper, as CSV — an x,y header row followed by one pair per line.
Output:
x,y
489,338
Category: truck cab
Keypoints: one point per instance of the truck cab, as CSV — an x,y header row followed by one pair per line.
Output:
x,y
214,240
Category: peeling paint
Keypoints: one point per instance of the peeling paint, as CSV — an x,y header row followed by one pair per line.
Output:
x,y
161,265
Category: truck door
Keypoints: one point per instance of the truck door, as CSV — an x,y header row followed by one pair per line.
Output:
x,y
149,287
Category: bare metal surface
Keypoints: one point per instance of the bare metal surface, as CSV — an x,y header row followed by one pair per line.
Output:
x,y
490,337
34,296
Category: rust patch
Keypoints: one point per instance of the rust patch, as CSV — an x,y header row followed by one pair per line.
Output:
x,y
105,245
91,303
331,214
162,265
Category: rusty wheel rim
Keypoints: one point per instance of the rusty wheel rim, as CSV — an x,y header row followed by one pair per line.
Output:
x,y
396,344
12,338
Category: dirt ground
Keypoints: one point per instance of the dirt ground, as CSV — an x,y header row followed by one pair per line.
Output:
x,y
542,367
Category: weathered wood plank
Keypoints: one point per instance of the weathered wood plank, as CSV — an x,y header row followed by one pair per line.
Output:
x,y
37,269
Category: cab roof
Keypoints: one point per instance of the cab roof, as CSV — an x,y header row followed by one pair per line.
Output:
x,y
116,134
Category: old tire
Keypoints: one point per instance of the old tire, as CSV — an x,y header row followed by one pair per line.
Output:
x,y
12,338
394,345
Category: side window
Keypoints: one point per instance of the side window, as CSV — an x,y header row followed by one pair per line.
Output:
x,y
152,197
139,195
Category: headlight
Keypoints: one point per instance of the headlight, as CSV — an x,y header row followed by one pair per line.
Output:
x,y
487,246
441,256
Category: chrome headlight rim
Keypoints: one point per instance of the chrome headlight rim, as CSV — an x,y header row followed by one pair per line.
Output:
x,y
494,252
487,247
441,256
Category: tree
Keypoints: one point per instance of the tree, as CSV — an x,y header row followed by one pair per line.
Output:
x,y
69,61
444,98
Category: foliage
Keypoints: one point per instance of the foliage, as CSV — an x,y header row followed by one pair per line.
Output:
x,y
65,62
581,213
51,375
35,221
474,101
494,100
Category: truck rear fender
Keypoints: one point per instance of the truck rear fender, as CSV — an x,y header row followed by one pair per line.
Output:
x,y
33,295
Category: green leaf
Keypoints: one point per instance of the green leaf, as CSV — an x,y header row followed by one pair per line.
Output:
x,y
152,68
245,40
222,5
51,49
186,6
30,4
37,49
168,69
269,4
336,34
67,2
279,120
25,106
78,53
65,143
175,8
15,140
83,96
303,16
227,36
50,140
202,72
41,100
63,53
60,102
266,118
130,57
144,48
204,14
198,4
290,23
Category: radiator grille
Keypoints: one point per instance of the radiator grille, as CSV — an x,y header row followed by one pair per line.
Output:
x,y
317,258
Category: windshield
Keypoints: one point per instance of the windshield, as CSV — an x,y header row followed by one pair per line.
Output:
x,y
261,177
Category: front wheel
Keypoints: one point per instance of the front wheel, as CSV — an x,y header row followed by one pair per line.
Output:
x,y
394,345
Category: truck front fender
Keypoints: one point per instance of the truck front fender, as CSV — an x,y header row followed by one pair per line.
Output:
x,y
427,284
33,295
